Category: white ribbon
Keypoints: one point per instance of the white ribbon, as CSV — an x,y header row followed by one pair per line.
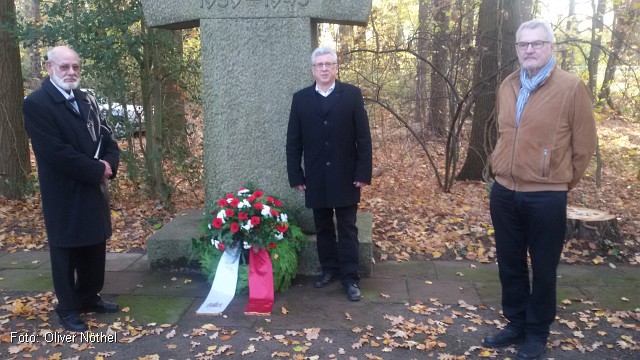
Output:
x,y
224,284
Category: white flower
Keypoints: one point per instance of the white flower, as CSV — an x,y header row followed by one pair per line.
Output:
x,y
209,226
279,235
246,245
244,204
243,191
284,217
248,226
221,215
266,211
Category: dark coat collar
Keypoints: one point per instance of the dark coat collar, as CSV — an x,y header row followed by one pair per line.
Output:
x,y
56,95
334,98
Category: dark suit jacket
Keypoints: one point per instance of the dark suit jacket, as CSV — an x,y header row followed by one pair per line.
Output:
x,y
75,207
335,143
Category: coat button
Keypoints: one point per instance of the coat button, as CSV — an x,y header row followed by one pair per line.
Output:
x,y
326,143
328,163
325,123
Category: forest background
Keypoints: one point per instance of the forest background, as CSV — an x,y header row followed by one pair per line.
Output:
x,y
429,71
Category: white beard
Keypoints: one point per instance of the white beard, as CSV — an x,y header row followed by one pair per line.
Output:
x,y
65,85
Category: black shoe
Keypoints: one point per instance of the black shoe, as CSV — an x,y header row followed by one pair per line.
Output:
x,y
73,322
504,338
102,307
353,293
532,349
325,280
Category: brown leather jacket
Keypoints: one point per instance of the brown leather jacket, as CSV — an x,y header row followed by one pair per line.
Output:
x,y
551,148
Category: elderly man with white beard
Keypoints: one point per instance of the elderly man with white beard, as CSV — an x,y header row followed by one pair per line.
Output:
x,y
76,156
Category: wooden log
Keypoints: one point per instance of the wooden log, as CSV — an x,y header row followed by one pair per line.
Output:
x,y
592,225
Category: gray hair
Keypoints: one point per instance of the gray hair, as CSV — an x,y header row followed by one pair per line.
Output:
x,y
535,24
323,51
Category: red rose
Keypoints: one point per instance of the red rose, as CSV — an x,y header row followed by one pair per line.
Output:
x,y
229,212
229,196
283,227
269,199
272,246
257,193
234,202
274,212
221,246
242,189
222,202
243,216
234,227
251,198
277,203
255,220
217,223
258,206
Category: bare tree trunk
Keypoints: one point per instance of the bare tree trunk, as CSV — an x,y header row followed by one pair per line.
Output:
x,y
497,25
527,10
152,105
15,164
36,58
439,94
596,43
422,70
175,119
624,19
567,60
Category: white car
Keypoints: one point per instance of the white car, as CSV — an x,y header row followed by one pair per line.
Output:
x,y
124,123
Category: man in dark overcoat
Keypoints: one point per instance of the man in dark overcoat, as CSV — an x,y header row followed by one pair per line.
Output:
x,y
75,155
329,128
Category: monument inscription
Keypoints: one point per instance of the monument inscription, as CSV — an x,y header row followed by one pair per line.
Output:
x,y
272,4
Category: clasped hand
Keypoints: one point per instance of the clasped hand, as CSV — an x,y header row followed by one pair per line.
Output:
x,y
107,171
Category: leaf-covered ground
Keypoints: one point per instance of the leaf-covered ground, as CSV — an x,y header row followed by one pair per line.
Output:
x,y
413,219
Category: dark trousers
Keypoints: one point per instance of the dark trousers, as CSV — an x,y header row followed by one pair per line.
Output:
x,y
341,254
533,222
78,276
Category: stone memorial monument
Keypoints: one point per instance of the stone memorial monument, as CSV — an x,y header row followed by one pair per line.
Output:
x,y
255,55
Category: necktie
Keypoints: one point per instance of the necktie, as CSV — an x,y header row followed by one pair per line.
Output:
x,y
73,103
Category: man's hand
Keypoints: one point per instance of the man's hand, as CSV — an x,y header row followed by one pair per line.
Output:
x,y
107,171
301,187
359,184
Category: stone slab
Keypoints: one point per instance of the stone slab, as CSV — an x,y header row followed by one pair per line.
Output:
x,y
25,260
26,280
119,262
168,248
187,14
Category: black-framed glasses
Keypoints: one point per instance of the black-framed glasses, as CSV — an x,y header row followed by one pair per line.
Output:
x,y
323,65
536,45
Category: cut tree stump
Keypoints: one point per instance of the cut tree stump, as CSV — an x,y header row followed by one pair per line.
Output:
x,y
592,225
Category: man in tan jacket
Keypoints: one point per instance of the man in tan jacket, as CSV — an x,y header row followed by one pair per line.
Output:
x,y
547,136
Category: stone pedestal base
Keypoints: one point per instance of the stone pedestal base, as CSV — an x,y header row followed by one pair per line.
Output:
x,y
168,248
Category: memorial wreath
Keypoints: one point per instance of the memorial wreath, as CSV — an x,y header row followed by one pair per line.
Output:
x,y
240,228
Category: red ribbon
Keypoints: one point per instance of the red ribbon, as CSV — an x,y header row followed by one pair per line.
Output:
x,y
260,283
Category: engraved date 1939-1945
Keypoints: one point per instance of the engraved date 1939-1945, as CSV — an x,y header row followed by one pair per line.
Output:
x,y
273,4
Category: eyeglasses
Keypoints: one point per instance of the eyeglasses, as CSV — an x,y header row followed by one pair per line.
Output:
x,y
323,65
67,67
536,45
